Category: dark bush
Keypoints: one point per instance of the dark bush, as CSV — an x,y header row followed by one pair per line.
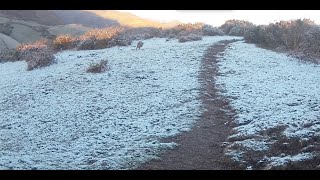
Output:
x,y
255,34
121,40
10,56
190,37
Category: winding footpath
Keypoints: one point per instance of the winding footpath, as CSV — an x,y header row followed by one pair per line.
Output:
x,y
202,147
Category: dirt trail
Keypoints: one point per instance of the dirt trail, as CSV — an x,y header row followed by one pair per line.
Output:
x,y
200,148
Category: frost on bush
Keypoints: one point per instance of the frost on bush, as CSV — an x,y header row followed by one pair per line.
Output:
x,y
235,27
310,44
284,33
208,30
183,30
100,67
236,31
301,37
191,32
37,54
103,38
189,27
63,42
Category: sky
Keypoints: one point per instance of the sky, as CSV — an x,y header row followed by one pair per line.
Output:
x,y
218,17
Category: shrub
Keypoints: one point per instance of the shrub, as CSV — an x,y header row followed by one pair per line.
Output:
x,y
37,54
63,42
87,44
101,38
190,37
100,67
121,40
237,31
252,35
300,37
189,27
236,27
143,33
169,33
288,34
293,32
9,56
310,44
186,29
183,30
208,30
255,34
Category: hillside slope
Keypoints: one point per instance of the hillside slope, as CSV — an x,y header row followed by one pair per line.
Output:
x,y
85,18
44,17
7,42
26,26
277,102
26,31
120,116
128,19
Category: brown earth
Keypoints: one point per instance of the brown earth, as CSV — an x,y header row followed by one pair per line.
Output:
x,y
202,147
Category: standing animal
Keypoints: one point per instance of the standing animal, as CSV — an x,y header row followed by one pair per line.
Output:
x,y
139,45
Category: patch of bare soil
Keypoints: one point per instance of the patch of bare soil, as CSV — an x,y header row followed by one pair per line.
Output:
x,y
202,147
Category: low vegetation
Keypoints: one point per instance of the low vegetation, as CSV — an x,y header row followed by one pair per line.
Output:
x,y
64,42
37,54
298,37
190,37
236,27
103,38
192,32
100,67
9,56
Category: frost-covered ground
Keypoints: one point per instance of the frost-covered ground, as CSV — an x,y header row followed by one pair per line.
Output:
x,y
277,100
60,117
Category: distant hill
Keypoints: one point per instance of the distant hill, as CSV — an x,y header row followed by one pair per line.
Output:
x,y
71,29
40,16
12,27
88,19
25,26
7,42
128,19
